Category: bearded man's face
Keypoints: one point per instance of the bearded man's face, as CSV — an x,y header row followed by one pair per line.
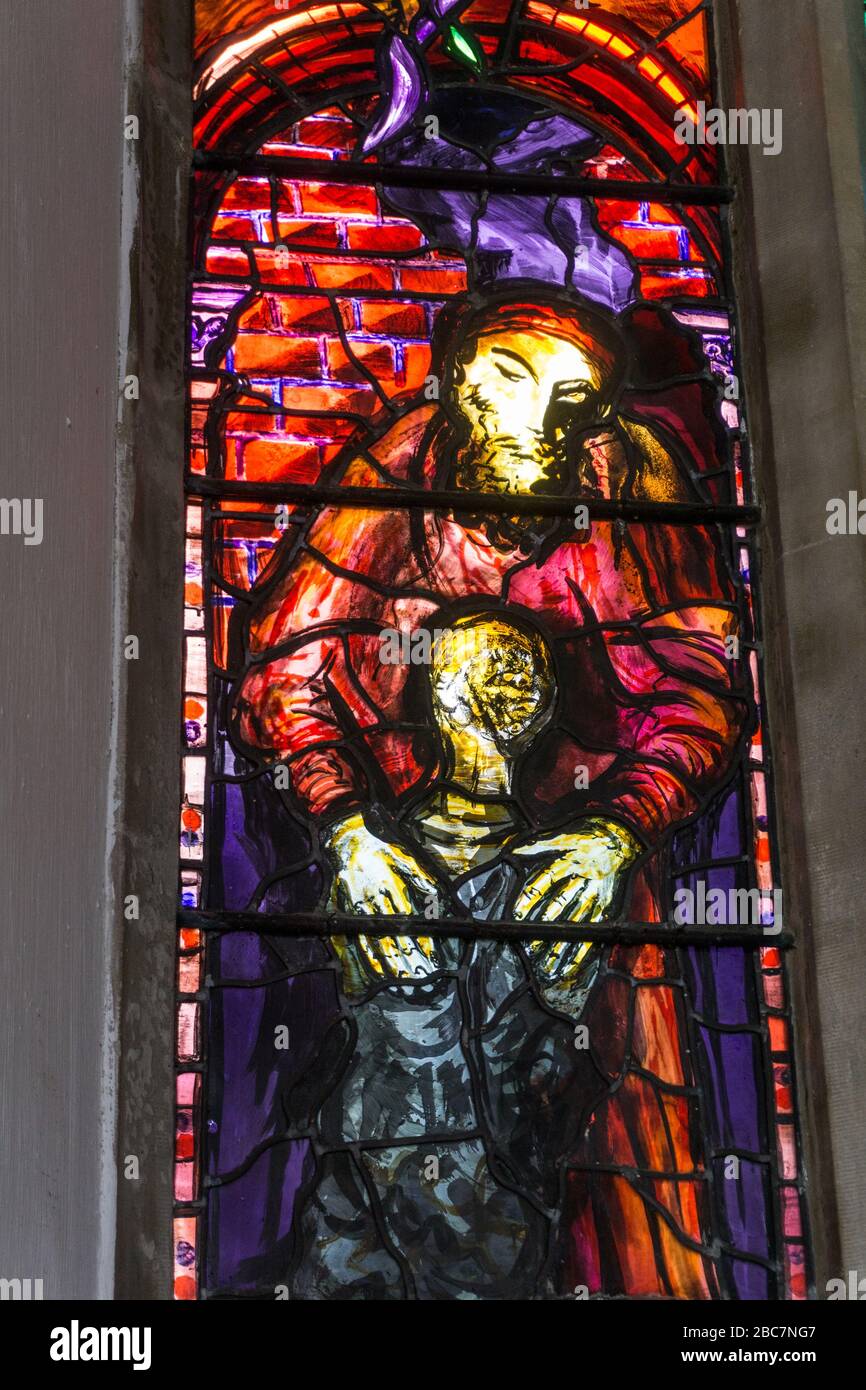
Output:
x,y
520,395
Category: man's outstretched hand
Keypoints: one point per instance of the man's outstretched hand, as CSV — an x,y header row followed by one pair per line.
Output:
x,y
578,874
374,877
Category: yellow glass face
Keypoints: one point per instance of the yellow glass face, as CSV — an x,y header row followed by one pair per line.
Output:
x,y
491,682
505,394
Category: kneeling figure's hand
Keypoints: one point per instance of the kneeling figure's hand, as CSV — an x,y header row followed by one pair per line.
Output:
x,y
375,877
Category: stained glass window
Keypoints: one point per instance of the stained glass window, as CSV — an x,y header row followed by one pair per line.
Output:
x,y
481,951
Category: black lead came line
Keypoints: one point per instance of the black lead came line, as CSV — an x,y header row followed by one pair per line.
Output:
x,y
506,504
473,180
617,933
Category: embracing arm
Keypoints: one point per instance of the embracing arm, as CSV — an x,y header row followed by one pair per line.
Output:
x,y
665,605
286,707
683,704
301,706
300,693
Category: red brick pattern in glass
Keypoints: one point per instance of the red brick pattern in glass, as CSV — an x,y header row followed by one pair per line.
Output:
x,y
319,367
302,352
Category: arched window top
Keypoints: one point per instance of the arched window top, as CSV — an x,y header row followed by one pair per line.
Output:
x,y
631,83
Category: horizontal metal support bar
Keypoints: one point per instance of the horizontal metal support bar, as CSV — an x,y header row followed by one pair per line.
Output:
x,y
604,933
387,499
204,278
472,180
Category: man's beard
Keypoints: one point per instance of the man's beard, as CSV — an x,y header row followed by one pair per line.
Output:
x,y
495,463
493,460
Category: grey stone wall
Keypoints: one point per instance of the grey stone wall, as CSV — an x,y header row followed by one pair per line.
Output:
x,y
799,231
92,247
61,115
